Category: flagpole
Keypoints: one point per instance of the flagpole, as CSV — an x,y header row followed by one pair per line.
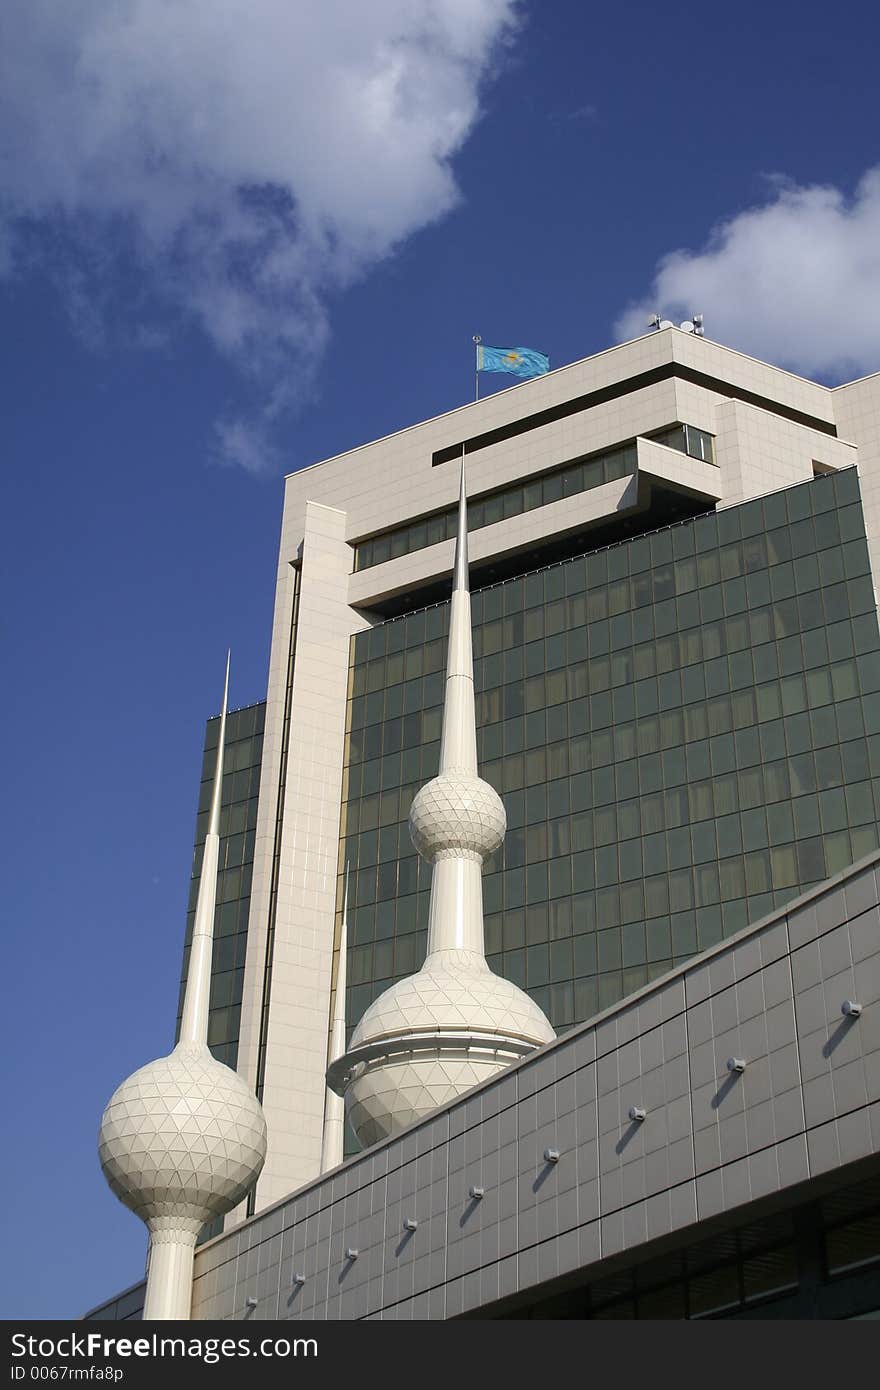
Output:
x,y
477,341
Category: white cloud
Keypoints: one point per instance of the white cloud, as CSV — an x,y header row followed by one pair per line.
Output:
x,y
246,443
795,281
252,155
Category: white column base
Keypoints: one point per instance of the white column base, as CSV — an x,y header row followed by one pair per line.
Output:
x,y
455,914
169,1273
333,1145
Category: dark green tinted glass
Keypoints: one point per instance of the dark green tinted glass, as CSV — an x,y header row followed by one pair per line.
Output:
x,y
682,728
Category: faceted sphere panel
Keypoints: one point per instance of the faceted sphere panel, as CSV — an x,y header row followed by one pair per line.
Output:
x,y
182,1137
457,811
455,991
387,1098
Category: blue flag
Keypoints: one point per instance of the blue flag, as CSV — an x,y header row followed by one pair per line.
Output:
x,y
518,361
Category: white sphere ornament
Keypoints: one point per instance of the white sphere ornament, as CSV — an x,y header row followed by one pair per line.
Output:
x,y
458,812
183,1140
432,1036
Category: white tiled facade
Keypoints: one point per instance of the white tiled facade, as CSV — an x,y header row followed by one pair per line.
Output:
x,y
857,408
745,404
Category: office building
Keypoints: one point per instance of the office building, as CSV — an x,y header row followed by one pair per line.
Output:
x,y
673,550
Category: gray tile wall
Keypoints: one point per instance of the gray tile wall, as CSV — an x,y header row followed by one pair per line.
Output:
x,y
712,1140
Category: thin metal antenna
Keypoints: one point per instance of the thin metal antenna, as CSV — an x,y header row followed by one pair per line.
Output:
x,y
477,341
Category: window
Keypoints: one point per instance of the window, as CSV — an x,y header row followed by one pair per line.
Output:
x,y
567,480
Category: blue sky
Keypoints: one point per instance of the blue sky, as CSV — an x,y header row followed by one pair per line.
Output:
x,y
216,269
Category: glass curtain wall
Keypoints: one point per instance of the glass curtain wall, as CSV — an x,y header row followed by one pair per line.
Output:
x,y
685,731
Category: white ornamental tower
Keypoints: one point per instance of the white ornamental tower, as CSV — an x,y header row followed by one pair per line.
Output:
x,y
439,1032
184,1139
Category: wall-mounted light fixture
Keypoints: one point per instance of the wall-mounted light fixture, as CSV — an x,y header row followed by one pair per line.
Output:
x,y
476,1193
299,1279
252,1302
410,1224
850,1009
736,1064
551,1155
351,1253
637,1113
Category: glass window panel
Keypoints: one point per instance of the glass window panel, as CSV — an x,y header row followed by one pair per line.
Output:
x,y
537,923
771,1272
681,890
802,773
609,950
854,1244
783,866
684,934
514,502
551,490
732,879
659,940
707,886
572,479
537,965
859,803
513,929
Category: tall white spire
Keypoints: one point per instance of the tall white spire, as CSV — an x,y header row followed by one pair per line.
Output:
x,y
194,1021
333,1141
439,1032
458,820
184,1138
458,744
